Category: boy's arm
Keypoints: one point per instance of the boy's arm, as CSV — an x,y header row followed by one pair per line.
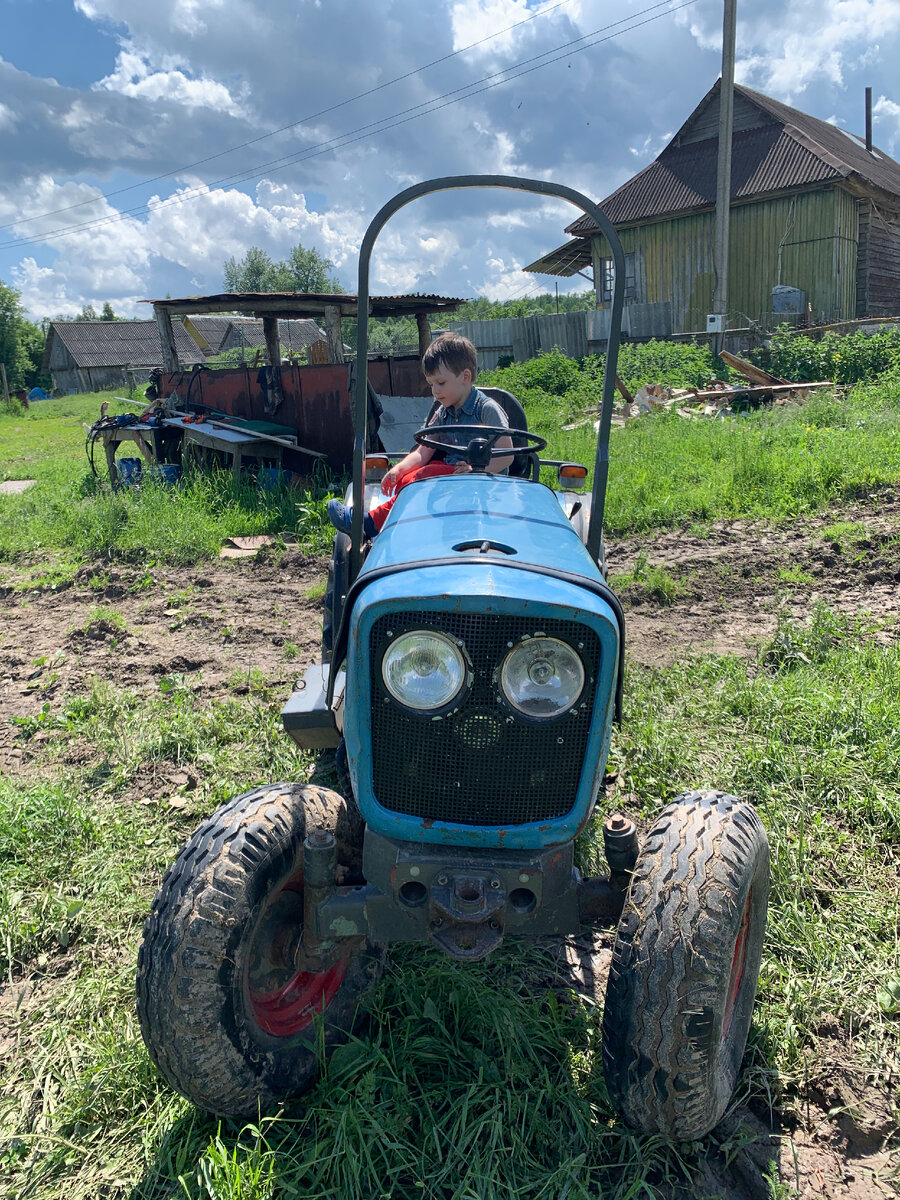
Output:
x,y
420,456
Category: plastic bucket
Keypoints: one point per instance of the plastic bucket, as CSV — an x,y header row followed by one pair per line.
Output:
x,y
168,474
129,471
271,479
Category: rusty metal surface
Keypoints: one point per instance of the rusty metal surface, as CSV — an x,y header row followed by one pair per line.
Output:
x,y
316,402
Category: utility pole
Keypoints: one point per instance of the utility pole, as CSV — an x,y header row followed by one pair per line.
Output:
x,y
723,176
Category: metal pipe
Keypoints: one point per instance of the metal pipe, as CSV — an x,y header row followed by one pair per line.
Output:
x,y
723,169
540,188
869,119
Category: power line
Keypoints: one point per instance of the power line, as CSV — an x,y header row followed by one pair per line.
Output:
x,y
292,124
426,108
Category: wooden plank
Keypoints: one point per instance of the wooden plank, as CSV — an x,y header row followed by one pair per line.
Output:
x,y
333,334
749,370
273,350
5,384
424,327
166,338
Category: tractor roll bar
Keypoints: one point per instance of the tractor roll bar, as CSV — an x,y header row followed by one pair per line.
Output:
x,y
541,188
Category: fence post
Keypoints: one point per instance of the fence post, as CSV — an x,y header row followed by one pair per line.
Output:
x,y
5,384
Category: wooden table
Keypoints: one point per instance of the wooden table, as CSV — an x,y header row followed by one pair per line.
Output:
x,y
227,441
146,437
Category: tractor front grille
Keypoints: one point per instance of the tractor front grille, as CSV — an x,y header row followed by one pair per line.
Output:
x,y
481,765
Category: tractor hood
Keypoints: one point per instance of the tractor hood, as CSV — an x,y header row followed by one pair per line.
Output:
x,y
455,515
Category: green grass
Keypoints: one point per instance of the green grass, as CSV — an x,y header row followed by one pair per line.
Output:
x,y
774,464
472,1080
75,517
664,471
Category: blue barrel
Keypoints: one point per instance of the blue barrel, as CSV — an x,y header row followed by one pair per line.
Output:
x,y
271,479
168,474
129,471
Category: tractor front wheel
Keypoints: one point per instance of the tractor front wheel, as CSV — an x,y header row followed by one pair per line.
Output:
x,y
229,1016
685,966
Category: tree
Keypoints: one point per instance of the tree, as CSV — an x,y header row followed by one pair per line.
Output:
x,y
21,342
88,313
303,271
249,274
107,313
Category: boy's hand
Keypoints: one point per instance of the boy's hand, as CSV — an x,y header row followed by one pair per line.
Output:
x,y
462,468
389,482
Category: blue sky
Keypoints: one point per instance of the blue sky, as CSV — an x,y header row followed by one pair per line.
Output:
x,y
109,107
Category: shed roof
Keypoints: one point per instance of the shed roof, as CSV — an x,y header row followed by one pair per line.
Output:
x,y
778,148
289,305
297,335
116,343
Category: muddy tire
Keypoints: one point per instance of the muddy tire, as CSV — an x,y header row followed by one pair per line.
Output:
x,y
227,1018
335,591
685,966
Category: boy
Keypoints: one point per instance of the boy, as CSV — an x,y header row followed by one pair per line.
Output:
x,y
450,365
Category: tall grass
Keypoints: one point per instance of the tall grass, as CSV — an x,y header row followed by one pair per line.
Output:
x,y
71,510
664,470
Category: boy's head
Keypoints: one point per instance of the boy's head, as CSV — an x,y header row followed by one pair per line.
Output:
x,y
450,365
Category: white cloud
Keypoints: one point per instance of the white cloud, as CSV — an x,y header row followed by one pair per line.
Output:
x,y
7,117
134,76
887,131
785,49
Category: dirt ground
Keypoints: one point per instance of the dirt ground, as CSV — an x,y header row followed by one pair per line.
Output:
x,y
223,620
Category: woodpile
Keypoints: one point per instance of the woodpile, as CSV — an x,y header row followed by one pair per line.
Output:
x,y
718,400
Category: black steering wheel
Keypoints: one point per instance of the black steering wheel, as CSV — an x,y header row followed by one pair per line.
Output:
x,y
480,447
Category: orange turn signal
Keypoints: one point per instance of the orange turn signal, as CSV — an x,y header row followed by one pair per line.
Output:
x,y
376,462
573,473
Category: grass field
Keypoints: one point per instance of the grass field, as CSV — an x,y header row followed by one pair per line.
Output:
x,y
469,1081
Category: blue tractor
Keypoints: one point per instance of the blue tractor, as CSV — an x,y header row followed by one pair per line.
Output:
x,y
471,676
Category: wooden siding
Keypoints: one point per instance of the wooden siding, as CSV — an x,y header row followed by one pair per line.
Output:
x,y
819,230
878,280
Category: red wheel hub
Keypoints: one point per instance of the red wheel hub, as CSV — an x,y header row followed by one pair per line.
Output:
x,y
283,999
293,1006
738,963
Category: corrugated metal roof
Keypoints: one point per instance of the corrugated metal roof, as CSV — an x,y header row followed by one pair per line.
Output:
x,y
296,334
795,151
285,305
118,343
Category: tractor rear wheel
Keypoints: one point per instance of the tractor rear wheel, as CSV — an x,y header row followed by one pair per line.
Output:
x,y
228,1016
685,966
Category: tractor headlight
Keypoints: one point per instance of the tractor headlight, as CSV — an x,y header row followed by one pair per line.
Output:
x,y
424,670
542,677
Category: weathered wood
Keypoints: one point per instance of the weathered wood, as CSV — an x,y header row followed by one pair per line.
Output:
x,y
166,338
749,370
624,392
423,324
333,334
273,350
266,437
757,390
5,384
273,344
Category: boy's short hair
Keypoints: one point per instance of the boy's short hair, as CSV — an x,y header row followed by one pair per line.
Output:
x,y
452,351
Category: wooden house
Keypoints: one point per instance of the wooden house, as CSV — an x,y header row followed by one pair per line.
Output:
x,y
91,356
815,223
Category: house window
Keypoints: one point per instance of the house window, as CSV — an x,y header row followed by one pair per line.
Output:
x,y
608,278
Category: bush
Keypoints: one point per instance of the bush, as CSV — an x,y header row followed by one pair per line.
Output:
x,y
844,358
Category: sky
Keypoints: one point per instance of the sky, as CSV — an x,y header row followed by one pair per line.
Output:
x,y
142,145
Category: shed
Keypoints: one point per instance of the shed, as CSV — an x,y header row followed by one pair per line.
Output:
x,y
215,334
812,209
90,356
